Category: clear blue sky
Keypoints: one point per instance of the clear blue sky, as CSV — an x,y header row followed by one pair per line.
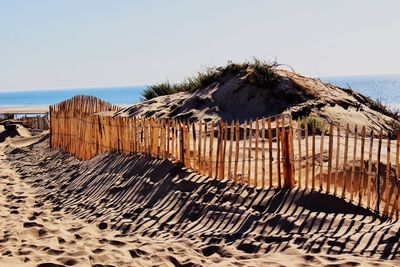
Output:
x,y
86,43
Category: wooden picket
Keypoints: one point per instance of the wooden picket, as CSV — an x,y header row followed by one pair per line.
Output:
x,y
244,152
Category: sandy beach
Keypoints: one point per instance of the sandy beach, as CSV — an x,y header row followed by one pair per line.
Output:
x,y
139,211
24,110
38,233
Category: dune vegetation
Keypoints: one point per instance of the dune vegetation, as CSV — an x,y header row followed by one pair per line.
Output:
x,y
263,75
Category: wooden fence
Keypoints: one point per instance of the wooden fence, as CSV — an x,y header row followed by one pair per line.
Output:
x,y
271,152
38,122
84,104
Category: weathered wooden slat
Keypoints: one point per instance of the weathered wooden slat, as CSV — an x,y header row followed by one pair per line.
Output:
x,y
211,152
278,152
386,183
161,137
291,146
362,168
199,148
244,152
232,131
270,155
204,162
378,178
369,172
224,150
282,133
353,167
194,145
218,155
346,148
249,151
188,145
182,155
173,140
330,159
156,125
397,203
220,148
145,134
256,153
307,153
313,155
263,152
177,140
168,138
134,139
288,163
299,151
237,137
321,158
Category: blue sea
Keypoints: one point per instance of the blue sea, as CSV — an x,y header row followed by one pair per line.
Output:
x,y
117,95
383,87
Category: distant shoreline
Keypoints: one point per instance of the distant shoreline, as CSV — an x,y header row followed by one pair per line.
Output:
x,y
32,109
24,109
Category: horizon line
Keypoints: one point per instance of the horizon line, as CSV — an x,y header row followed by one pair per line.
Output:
x,y
91,87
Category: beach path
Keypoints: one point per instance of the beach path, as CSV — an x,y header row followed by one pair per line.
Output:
x,y
32,233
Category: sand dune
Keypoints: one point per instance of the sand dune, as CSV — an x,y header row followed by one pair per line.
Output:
x,y
232,97
139,211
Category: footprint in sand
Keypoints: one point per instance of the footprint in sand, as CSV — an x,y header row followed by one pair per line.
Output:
x,y
23,252
98,250
4,240
32,224
42,232
49,264
53,252
210,250
36,214
38,205
74,229
6,253
103,226
117,243
136,253
68,261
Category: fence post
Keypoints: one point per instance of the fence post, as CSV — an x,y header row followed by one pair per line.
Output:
x,y
182,144
287,155
51,127
378,183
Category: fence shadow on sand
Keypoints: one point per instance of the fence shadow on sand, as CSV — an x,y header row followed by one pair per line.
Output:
x,y
153,197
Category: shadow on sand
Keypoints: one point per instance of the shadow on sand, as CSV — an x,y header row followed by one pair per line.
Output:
x,y
143,195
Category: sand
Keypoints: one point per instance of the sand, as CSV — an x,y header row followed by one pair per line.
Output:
x,y
25,110
36,233
139,211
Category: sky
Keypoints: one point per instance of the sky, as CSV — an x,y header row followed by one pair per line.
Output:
x,y
52,44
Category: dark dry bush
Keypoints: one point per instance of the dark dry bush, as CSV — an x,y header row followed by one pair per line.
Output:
x,y
263,74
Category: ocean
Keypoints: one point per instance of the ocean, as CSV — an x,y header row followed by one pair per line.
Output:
x,y
383,87
116,95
